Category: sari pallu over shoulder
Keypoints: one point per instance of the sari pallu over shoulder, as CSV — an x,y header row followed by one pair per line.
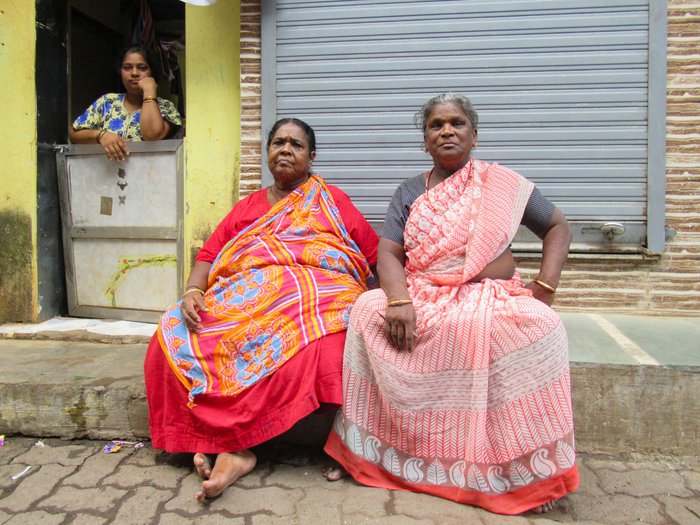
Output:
x,y
479,411
455,229
286,280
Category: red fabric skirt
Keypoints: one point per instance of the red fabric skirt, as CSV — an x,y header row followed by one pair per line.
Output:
x,y
231,423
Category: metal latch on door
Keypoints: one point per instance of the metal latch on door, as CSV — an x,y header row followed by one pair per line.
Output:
x,y
612,229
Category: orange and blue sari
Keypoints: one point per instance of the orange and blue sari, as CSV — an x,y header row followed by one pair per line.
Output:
x,y
287,280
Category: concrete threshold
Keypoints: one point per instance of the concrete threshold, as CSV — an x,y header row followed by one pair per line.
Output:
x,y
635,383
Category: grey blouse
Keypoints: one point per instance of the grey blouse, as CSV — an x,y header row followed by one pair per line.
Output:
x,y
537,216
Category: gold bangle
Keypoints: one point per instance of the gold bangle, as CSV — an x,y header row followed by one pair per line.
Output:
x,y
399,302
99,135
150,99
193,289
545,285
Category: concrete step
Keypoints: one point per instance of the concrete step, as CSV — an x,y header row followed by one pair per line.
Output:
x,y
635,384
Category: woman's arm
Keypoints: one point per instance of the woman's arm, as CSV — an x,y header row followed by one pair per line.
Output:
x,y
193,301
555,249
115,146
153,125
93,131
400,321
83,136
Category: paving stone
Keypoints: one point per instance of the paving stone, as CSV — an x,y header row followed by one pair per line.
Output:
x,y
302,477
488,518
616,509
37,484
692,479
642,483
369,501
13,447
683,511
159,476
142,506
358,519
278,501
589,483
184,501
170,518
6,473
265,519
94,468
565,519
62,455
441,519
596,462
144,457
37,518
84,518
319,506
424,506
71,499
542,519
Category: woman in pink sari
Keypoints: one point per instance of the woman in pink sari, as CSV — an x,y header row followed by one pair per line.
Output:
x,y
455,374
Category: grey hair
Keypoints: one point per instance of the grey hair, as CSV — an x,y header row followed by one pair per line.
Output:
x,y
463,102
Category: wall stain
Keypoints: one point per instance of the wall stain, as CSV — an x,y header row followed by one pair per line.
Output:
x,y
77,414
16,276
201,235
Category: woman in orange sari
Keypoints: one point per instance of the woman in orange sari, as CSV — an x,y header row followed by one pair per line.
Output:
x,y
256,343
455,377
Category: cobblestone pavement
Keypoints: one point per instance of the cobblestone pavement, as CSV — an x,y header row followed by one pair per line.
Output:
x,y
76,482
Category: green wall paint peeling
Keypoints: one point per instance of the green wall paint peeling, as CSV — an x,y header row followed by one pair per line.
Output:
x,y
16,274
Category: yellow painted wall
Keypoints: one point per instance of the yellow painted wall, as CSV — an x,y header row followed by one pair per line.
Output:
x,y
18,169
212,143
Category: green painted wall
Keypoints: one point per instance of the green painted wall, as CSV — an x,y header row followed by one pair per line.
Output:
x,y
18,170
212,144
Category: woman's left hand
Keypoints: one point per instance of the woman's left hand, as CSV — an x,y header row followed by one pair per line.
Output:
x,y
540,293
148,86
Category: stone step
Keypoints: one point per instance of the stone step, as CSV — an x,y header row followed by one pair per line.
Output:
x,y
635,385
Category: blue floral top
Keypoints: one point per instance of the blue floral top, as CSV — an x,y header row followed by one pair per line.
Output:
x,y
108,112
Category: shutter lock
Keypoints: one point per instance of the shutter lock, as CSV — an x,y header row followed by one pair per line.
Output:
x,y
612,229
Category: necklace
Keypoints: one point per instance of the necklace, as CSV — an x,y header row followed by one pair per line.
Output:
x,y
430,174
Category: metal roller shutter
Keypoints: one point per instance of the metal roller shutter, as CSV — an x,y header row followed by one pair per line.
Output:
x,y
563,90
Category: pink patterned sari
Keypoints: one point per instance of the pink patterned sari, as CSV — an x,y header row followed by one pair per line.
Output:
x,y
480,411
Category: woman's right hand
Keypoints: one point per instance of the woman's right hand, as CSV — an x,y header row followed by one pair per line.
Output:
x,y
400,326
115,146
192,303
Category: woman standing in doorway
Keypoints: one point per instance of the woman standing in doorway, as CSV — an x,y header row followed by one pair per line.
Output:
x,y
138,114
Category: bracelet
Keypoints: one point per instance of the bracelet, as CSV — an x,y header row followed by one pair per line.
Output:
x,y
150,99
399,302
193,289
544,285
99,136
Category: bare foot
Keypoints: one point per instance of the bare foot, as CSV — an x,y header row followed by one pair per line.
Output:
x,y
228,467
202,463
335,473
545,507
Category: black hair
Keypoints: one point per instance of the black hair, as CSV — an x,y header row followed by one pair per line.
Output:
x,y
308,131
143,51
